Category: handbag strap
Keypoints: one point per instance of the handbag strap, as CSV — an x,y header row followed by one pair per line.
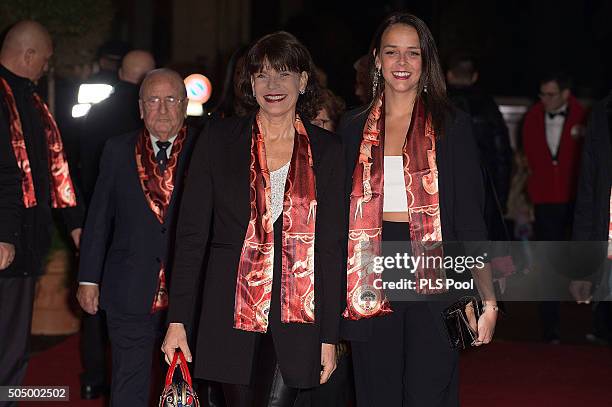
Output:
x,y
184,369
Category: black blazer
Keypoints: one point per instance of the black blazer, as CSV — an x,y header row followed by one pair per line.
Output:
x,y
214,213
461,196
28,229
123,242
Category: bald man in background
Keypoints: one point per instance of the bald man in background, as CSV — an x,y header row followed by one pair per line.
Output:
x,y
112,117
34,178
116,115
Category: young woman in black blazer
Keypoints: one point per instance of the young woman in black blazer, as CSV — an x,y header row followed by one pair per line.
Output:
x,y
271,299
413,176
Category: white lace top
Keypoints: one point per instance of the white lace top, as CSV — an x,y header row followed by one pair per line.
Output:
x,y
277,180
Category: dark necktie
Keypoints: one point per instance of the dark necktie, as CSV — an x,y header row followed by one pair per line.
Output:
x,y
162,154
562,113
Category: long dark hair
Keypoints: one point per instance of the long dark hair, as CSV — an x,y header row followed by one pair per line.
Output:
x,y
432,76
283,52
228,103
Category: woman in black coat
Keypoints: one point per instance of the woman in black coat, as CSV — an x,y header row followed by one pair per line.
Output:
x,y
264,196
413,177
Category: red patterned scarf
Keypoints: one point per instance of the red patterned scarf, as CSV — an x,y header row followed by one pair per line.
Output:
x,y
157,187
366,210
62,189
255,270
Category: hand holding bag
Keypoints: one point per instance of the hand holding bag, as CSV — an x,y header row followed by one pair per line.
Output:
x,y
180,393
461,322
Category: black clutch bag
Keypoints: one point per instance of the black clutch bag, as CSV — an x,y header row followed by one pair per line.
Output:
x,y
461,322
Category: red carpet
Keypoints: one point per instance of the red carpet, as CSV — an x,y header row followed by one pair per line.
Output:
x,y
504,374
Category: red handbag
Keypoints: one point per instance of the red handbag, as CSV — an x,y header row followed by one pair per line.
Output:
x,y
180,393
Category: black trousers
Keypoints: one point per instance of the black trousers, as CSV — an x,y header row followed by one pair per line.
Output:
x,y
407,359
16,303
267,388
406,362
134,340
552,223
94,340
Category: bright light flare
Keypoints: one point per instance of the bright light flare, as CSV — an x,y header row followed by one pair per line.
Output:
x,y
80,110
94,92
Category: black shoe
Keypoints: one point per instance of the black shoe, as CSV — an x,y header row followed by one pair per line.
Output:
x,y
91,392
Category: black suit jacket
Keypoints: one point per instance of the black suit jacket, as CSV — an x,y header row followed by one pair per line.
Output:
x,y
215,212
592,207
123,242
461,198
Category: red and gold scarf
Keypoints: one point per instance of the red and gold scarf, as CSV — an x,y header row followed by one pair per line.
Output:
x,y
157,187
366,210
255,270
62,189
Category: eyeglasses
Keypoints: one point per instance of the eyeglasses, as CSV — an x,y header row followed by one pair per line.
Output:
x,y
154,102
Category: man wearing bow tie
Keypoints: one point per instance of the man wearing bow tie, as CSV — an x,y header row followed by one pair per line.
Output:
x,y
552,142
125,253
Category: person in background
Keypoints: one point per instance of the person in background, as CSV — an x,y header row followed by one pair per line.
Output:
x,y
488,124
126,255
229,102
106,67
552,143
34,180
331,109
493,142
114,116
362,79
593,222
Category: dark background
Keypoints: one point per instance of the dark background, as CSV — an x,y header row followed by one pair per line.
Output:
x,y
514,41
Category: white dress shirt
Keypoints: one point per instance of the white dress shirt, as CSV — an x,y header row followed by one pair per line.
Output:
x,y
554,130
156,149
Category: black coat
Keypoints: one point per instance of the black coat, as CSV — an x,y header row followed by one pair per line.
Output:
x,y
123,242
112,117
29,229
493,142
491,135
461,197
215,213
592,207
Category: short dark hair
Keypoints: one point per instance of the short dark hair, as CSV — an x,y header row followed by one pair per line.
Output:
x,y
282,51
462,65
435,100
561,78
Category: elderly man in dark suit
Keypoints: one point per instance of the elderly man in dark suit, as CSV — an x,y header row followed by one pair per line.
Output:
x,y
126,244
114,116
